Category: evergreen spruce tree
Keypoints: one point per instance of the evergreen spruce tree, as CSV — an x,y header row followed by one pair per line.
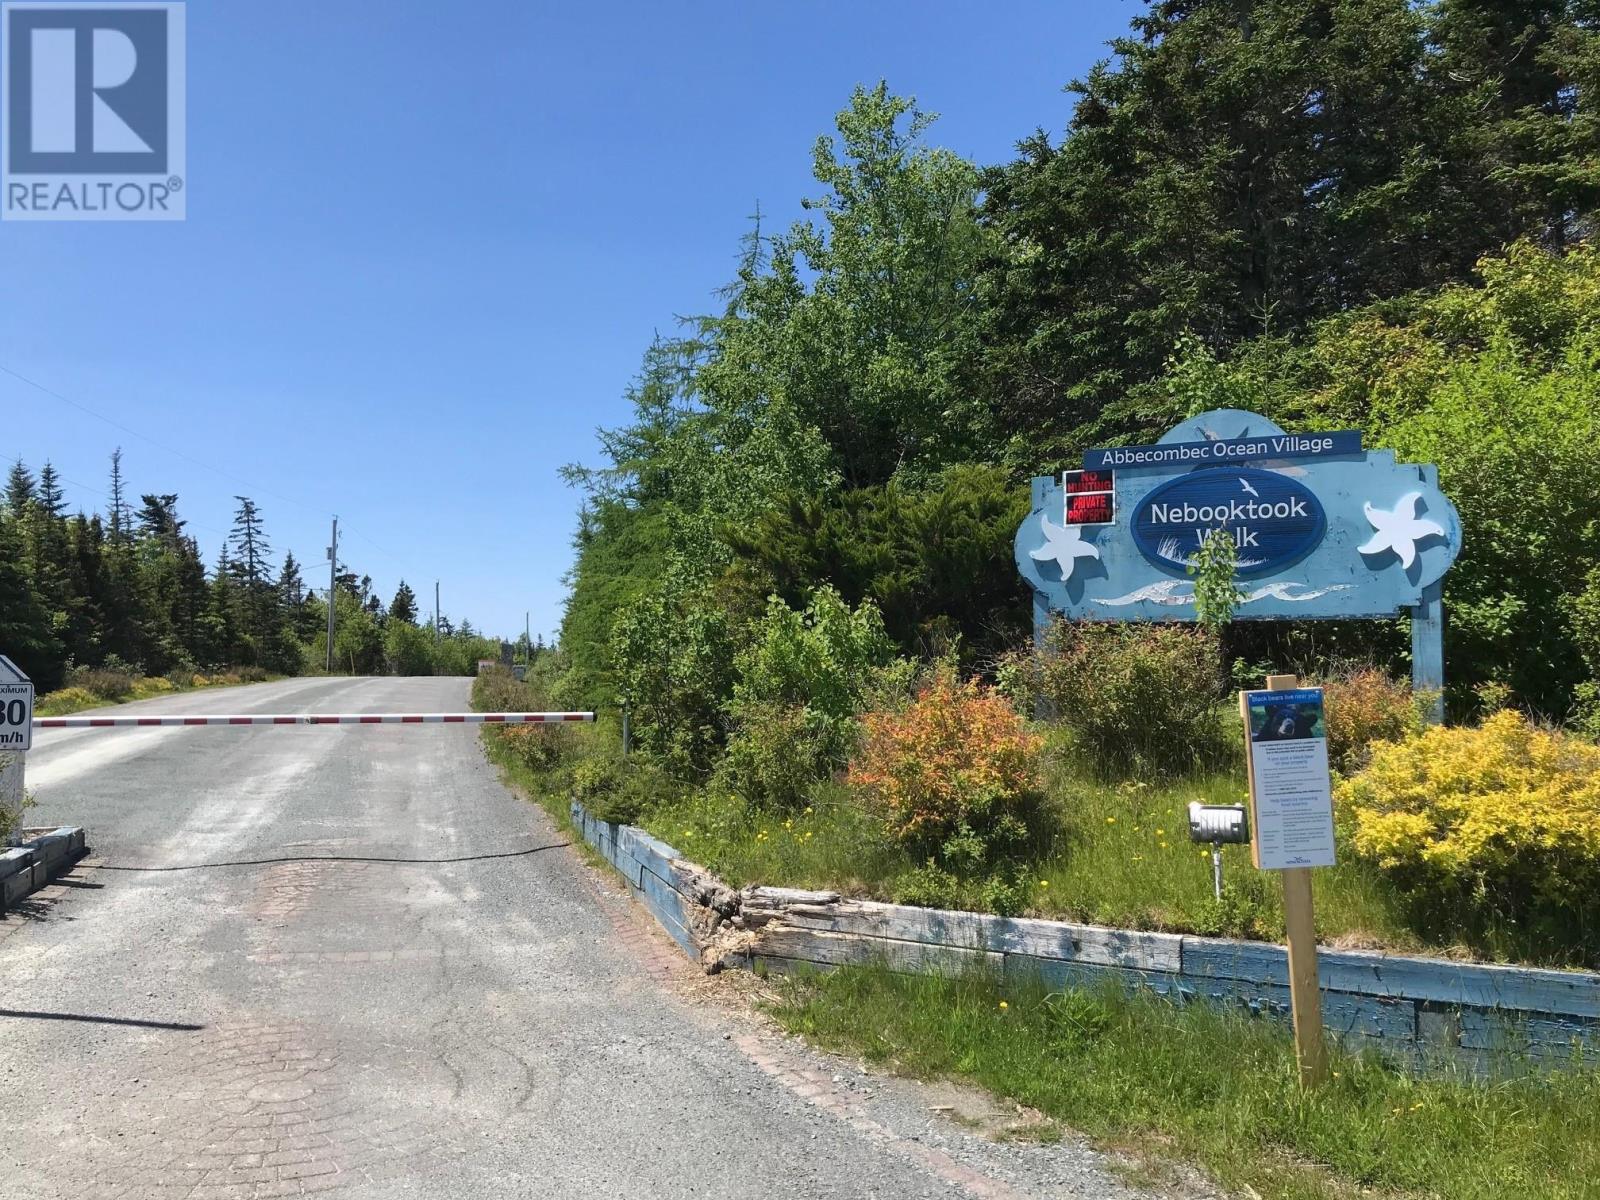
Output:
x,y
291,588
50,498
86,626
45,535
222,623
404,605
20,488
121,517
303,623
25,628
260,604
1248,166
190,601
158,518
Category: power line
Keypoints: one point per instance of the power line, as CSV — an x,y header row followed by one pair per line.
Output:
x,y
189,458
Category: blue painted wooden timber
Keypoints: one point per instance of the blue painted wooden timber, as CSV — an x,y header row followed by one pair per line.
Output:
x,y
1476,985
1421,1010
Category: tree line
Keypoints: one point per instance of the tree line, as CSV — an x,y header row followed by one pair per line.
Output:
x,y
129,589
1368,214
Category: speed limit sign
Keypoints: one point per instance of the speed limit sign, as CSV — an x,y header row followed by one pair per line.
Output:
x,y
16,707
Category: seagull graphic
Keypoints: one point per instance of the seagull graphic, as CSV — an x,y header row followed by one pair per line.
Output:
x,y
1065,545
1245,484
1399,529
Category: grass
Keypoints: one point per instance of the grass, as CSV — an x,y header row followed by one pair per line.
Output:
x,y
1119,855
142,687
545,784
1216,1088
1110,853
833,843
1116,854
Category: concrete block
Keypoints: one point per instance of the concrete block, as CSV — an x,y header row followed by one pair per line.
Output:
x,y
15,860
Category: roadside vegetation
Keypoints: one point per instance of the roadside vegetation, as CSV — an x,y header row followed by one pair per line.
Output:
x,y
114,682
1215,1087
794,562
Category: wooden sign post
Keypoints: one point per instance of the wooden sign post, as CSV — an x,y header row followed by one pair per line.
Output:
x,y
1292,823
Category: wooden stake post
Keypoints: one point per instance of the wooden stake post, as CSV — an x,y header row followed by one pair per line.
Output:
x,y
1305,994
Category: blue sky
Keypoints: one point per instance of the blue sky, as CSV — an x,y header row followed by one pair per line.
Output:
x,y
428,242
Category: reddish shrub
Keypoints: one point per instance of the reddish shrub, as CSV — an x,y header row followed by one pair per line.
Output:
x,y
958,757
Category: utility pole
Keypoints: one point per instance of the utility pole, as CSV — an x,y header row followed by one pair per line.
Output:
x,y
527,638
333,583
435,612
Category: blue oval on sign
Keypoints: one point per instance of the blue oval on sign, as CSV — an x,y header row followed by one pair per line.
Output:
x,y
1274,520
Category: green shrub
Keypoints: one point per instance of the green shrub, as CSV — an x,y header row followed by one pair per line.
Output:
x,y
408,648
67,699
1243,911
1006,891
1133,697
595,778
182,674
110,683
800,685
1517,456
672,656
928,886
780,752
935,557
498,690
538,746
623,790
1586,710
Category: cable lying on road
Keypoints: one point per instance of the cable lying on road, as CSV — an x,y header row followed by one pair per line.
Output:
x,y
345,858
526,718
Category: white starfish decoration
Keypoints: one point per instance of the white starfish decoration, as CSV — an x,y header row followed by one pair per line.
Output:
x,y
1399,529
1065,545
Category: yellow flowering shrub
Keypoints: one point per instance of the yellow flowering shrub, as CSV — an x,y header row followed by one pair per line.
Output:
x,y
1506,813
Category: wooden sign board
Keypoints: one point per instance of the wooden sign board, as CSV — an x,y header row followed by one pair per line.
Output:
x,y
1286,790
16,707
1291,788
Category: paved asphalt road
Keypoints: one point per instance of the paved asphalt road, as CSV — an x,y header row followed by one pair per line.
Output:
x,y
268,1024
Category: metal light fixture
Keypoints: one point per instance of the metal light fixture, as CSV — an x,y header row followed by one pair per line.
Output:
x,y
1219,824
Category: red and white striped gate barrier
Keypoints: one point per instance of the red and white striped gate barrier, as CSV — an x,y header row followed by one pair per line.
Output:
x,y
472,718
